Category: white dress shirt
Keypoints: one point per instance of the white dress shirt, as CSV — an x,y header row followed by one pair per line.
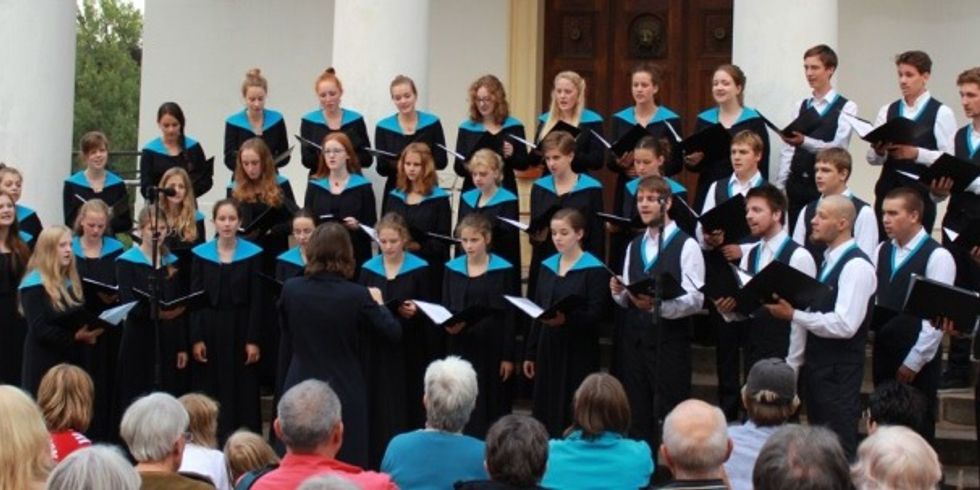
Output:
x,y
842,138
944,130
939,267
855,287
865,226
692,266
735,186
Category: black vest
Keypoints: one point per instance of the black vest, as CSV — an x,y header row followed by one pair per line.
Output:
x,y
927,118
638,324
821,351
761,316
963,206
817,249
892,288
801,166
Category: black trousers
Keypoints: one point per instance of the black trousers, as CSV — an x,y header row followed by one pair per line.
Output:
x,y
730,357
833,399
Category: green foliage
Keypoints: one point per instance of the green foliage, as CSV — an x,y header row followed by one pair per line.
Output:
x,y
107,76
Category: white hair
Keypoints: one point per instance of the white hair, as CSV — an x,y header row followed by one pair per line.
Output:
x,y
152,425
700,452
308,413
450,393
896,457
94,468
327,482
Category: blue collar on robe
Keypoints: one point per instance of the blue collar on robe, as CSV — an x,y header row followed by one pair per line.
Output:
x,y
584,182
479,127
347,116
292,256
355,180
411,262
79,179
472,197
390,123
711,115
109,245
496,263
675,187
437,192
588,116
629,115
23,212
135,255
240,119
586,261
156,146
244,249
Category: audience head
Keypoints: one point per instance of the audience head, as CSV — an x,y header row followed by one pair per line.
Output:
x,y
65,396
450,394
695,441
94,468
309,419
894,403
154,429
769,394
246,451
330,250
203,414
327,482
517,451
801,458
25,453
896,457
600,405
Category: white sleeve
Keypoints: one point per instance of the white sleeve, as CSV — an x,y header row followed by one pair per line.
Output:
x,y
872,157
744,264
944,131
942,268
799,230
709,204
856,285
842,138
974,186
786,156
692,265
622,299
803,262
866,230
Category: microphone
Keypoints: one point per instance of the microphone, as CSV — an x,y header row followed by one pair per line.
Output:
x,y
166,191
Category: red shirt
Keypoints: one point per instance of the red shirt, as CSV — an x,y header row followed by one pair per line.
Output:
x,y
296,468
65,442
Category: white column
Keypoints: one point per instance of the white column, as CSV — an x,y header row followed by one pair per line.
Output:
x,y
768,41
37,92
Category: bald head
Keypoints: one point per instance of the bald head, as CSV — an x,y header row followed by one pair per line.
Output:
x,y
839,207
695,441
834,220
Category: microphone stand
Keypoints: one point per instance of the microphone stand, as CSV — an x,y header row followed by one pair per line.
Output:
x,y
658,294
155,280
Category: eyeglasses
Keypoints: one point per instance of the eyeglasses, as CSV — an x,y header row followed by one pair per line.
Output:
x,y
334,151
484,100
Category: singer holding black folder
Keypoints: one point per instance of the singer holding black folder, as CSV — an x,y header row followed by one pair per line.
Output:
x,y
489,199
562,350
727,87
490,126
52,288
330,117
174,149
409,125
479,277
14,255
636,348
905,348
833,347
917,104
97,182
255,121
568,107
395,367
796,173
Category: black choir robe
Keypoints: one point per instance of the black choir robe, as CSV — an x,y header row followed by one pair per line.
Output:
x,y
314,128
230,320
712,170
388,136
325,321
238,130
155,160
395,369
566,354
100,359
182,249
290,264
29,225
590,153
355,201
137,348
432,214
77,191
468,142
586,196
506,238
15,328
487,342
46,344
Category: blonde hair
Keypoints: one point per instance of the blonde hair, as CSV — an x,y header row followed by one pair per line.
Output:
x,y
895,457
254,78
488,159
25,455
90,206
554,114
265,189
54,277
182,217
203,412
246,451
65,396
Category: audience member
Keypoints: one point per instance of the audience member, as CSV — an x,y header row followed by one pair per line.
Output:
x,y
894,403
94,468
25,448
245,452
201,455
595,452
309,423
896,457
769,397
155,430
417,460
517,454
696,446
801,458
65,396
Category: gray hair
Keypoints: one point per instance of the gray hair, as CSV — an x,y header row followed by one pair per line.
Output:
x,y
896,457
801,458
308,414
327,482
152,425
696,436
94,468
450,393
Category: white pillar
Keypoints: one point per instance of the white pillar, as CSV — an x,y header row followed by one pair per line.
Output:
x,y
769,38
37,92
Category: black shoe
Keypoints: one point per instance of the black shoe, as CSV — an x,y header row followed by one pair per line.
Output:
x,y
954,383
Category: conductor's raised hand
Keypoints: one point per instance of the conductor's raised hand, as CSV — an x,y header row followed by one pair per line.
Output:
x,y
376,295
